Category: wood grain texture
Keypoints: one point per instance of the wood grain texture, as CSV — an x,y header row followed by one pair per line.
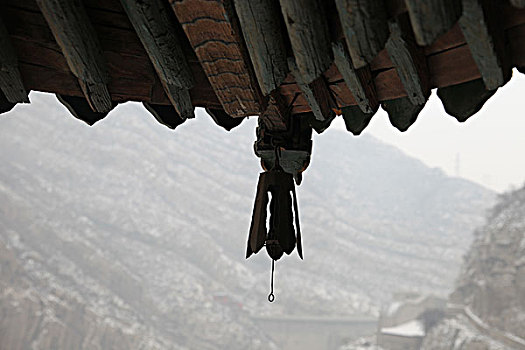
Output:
x,y
309,37
432,18
359,82
409,61
402,112
11,84
156,30
365,27
77,38
211,29
316,93
481,26
263,33
464,100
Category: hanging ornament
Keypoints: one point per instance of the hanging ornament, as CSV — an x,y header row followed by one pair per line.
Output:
x,y
280,233
276,187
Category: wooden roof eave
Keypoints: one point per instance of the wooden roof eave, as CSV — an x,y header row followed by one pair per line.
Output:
x,y
228,69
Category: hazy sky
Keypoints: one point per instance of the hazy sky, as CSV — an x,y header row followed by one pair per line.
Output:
x,y
490,145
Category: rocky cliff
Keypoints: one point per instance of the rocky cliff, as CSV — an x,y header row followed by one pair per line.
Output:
x,y
491,284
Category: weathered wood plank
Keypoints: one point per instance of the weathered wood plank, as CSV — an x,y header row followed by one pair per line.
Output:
x,y
464,100
213,33
80,109
261,26
482,29
402,112
11,83
356,120
77,38
409,61
316,93
365,27
431,18
165,114
518,3
452,67
157,32
360,82
309,37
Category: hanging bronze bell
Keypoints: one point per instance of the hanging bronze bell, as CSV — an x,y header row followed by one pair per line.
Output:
x,y
276,187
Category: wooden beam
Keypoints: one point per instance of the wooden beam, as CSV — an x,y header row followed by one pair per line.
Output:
x,y
156,30
365,27
402,112
223,120
262,30
78,40
409,61
359,82
212,30
464,100
80,109
316,93
309,37
432,18
518,3
486,39
11,84
165,114
355,119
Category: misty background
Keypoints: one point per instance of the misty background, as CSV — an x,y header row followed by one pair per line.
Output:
x,y
128,235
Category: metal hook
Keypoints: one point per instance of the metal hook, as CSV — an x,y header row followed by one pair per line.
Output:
x,y
271,296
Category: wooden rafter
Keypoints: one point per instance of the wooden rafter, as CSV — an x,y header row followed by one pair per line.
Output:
x,y
355,119
316,93
262,30
213,33
165,114
76,37
157,32
432,18
80,109
409,61
5,105
11,84
365,27
481,26
358,81
464,100
309,37
402,112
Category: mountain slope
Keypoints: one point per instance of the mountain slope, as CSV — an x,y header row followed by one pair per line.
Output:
x,y
140,231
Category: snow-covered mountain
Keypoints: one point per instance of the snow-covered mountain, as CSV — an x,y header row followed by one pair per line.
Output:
x,y
130,235
491,285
